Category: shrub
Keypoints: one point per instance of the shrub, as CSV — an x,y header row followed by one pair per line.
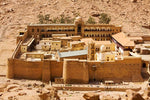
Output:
x,y
104,18
91,20
44,19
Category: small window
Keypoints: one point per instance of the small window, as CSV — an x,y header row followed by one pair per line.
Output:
x,y
21,33
42,30
32,30
37,30
144,65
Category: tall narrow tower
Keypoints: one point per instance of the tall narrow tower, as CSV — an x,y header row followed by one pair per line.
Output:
x,y
91,51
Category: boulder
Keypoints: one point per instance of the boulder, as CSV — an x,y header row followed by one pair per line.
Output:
x,y
91,96
11,87
132,95
27,97
134,1
22,93
95,14
146,94
49,94
2,87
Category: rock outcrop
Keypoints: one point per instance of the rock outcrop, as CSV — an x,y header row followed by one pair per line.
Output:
x,y
91,96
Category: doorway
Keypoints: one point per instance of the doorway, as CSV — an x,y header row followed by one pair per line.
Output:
x,y
79,29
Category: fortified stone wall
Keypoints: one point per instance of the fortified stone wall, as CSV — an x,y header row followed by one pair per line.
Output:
x,y
25,69
77,71
56,69
40,70
128,69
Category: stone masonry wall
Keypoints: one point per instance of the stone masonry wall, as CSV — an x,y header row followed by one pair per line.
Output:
x,y
77,71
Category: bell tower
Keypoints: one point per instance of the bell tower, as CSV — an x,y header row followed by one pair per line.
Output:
x,y
91,51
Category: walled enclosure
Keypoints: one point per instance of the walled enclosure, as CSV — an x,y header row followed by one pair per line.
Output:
x,y
72,71
77,71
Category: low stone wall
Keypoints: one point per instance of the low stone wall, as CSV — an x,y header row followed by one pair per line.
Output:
x,y
108,88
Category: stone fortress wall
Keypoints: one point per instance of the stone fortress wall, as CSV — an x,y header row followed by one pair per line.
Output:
x,y
77,71
39,70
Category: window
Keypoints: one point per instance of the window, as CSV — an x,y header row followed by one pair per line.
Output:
x,y
37,30
144,65
107,58
42,30
21,33
32,30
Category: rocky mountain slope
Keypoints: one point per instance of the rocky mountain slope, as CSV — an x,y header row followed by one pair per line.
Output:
x,y
16,14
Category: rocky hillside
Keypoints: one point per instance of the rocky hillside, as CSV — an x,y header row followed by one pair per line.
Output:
x,y
16,14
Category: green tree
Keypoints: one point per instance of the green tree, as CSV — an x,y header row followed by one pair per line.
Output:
x,y
55,20
69,20
62,19
104,18
43,19
91,20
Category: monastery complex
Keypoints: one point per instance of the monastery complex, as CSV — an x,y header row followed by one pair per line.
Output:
x,y
79,53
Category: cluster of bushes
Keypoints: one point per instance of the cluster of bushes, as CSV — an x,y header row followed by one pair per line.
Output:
x,y
45,19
